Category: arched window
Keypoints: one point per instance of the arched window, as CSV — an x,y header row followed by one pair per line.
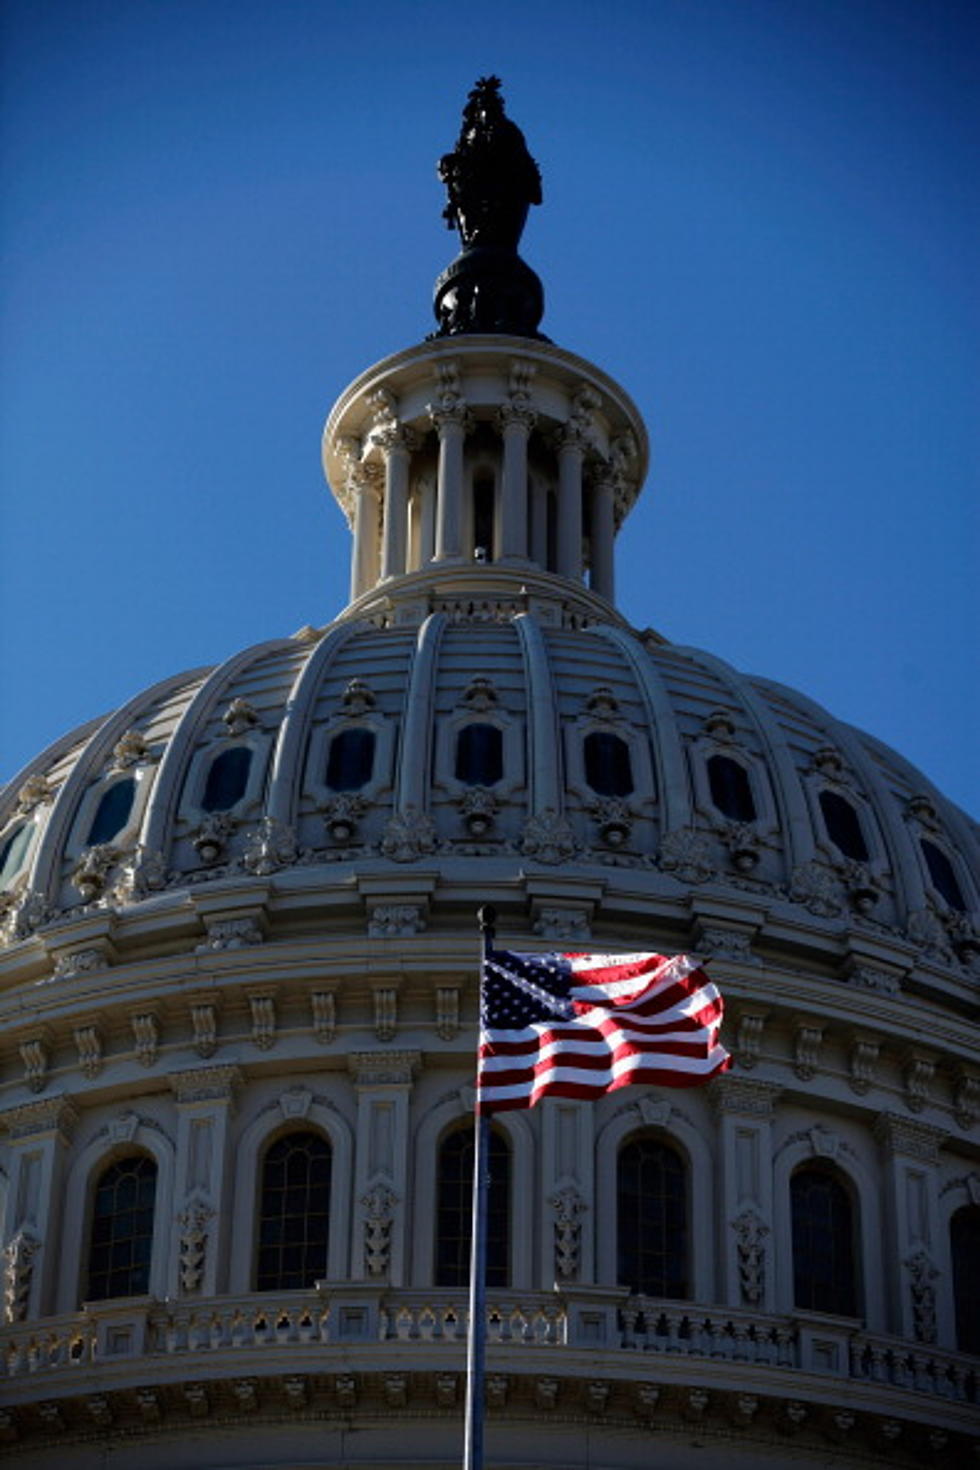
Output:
x,y
824,1271
454,1208
608,768
121,1239
294,1213
351,760
731,790
964,1248
651,1219
843,826
112,812
942,875
479,755
227,779
13,850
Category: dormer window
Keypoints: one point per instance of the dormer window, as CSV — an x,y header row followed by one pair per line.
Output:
x,y
479,755
731,790
608,768
941,874
112,812
227,779
843,826
350,763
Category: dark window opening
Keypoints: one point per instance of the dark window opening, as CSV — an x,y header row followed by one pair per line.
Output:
x,y
942,875
651,1219
351,760
843,826
964,1244
483,514
608,768
454,1206
121,1241
294,1216
731,790
824,1275
112,812
13,850
227,779
479,755
551,532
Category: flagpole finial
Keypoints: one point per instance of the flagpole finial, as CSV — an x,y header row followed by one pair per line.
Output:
x,y
486,917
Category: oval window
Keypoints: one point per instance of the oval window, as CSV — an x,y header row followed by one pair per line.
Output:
x,y
227,779
479,755
843,826
112,812
351,760
731,790
608,768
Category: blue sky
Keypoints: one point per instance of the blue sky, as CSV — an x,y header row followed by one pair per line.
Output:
x,y
760,216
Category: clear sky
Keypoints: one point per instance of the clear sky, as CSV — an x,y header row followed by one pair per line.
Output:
x,y
761,217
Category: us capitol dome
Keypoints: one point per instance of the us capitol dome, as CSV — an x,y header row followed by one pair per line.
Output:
x,y
239,993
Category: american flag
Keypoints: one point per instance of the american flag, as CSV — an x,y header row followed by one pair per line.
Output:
x,y
580,1025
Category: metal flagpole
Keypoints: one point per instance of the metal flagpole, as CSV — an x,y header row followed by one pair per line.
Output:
x,y
476,1338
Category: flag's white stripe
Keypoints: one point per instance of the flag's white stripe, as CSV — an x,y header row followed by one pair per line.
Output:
x,y
600,1081
657,969
589,1047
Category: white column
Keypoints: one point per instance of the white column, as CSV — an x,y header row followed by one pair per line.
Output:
x,y
516,423
39,1134
204,1181
746,1274
451,427
571,455
396,443
367,501
603,532
383,1083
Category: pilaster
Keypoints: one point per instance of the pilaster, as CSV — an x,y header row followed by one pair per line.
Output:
x,y
745,1217
566,1204
914,1253
39,1134
383,1084
204,1184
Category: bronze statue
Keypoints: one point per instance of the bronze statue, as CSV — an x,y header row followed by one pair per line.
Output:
x,y
491,180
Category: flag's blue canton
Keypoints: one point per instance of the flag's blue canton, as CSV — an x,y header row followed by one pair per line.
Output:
x,y
520,989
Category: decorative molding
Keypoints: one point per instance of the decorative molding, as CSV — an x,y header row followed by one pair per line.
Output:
x,y
966,1098
686,854
385,1011
210,841
563,923
50,1115
323,1008
383,1068
379,1205
447,1012
295,1102
818,889
824,1142
901,1137
263,1009
192,1243
204,1023
750,1232
230,934
869,977
18,1272
122,1128
748,1038
918,1071
922,1274
653,1112
741,1095
68,965
569,1207
408,835
36,791
864,1064
142,872
207,1084
727,944
91,872
396,921
239,717
88,1042
806,1051
270,846
146,1036
548,838
34,1055
26,915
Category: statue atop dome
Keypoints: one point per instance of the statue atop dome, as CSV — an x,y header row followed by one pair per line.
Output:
x,y
491,178
491,181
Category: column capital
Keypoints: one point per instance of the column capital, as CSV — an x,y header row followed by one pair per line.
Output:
x,y
515,413
913,1140
57,1115
395,438
383,1068
740,1095
207,1084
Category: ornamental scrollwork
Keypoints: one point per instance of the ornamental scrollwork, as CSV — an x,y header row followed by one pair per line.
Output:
x,y
409,835
379,1205
548,838
569,1207
18,1271
686,854
270,846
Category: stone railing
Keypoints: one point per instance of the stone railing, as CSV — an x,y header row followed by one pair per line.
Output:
x,y
592,1320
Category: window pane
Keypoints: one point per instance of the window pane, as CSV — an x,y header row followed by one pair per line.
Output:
x,y
227,779
731,790
112,813
942,875
454,1207
824,1278
479,755
121,1241
351,760
294,1216
13,850
608,769
651,1219
964,1241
